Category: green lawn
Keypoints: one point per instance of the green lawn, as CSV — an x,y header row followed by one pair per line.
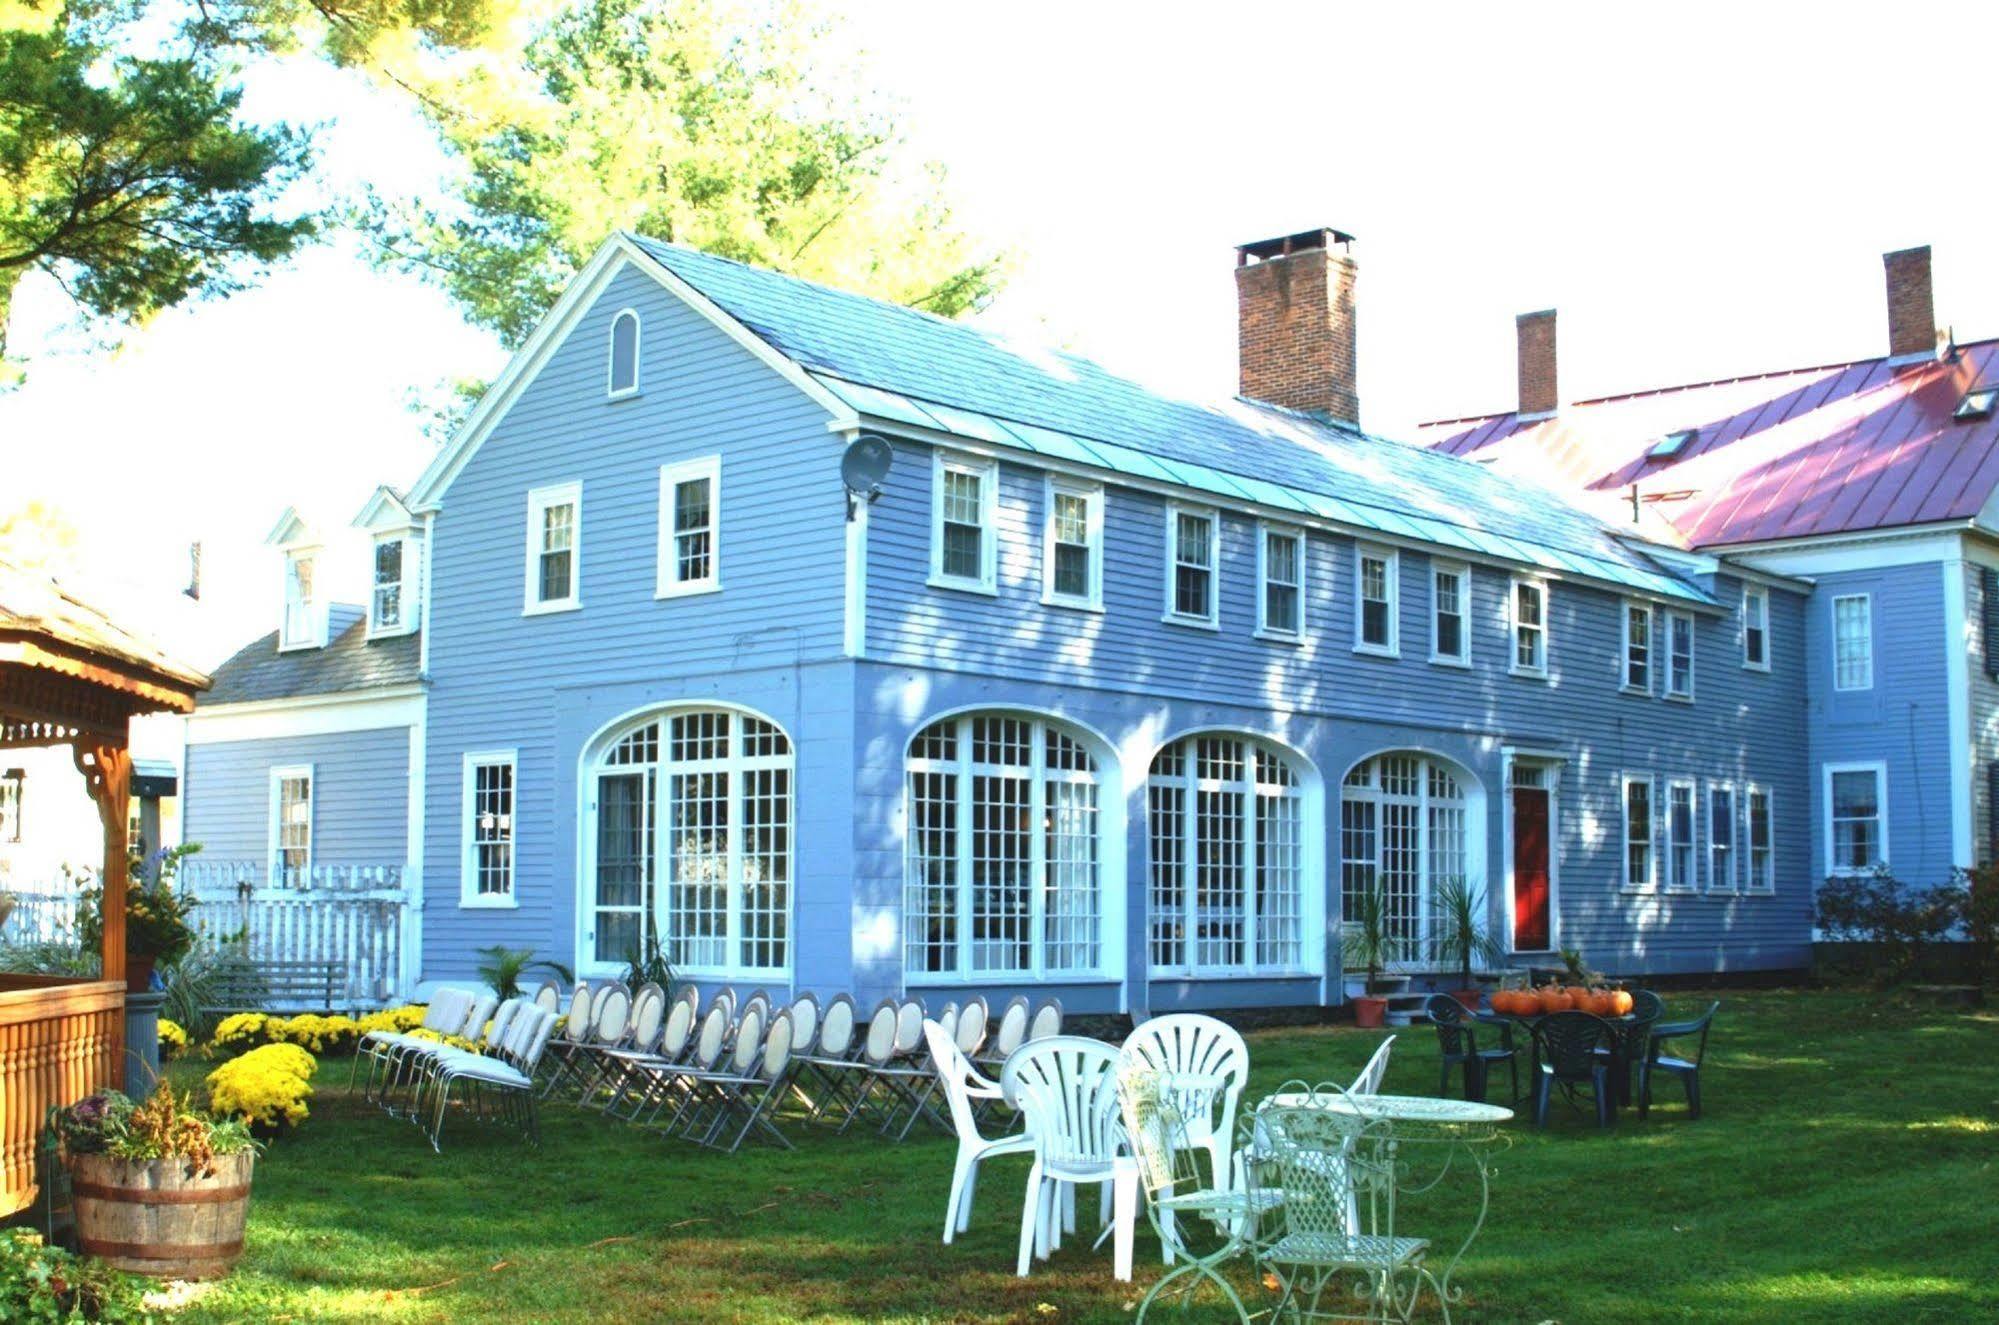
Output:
x,y
1845,1171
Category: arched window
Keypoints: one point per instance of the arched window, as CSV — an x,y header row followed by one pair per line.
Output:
x,y
1225,816
1403,829
692,836
1005,855
625,353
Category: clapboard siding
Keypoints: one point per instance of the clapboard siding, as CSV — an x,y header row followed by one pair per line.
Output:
x,y
1980,608
360,796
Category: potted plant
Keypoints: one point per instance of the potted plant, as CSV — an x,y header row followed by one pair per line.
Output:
x,y
1462,936
157,930
1369,943
159,1189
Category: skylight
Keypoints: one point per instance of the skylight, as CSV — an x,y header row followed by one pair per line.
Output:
x,y
1977,403
1672,444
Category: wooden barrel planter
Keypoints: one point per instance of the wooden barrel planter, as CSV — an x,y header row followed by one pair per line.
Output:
x,y
154,1217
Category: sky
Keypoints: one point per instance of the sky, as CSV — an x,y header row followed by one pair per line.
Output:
x,y
1701,191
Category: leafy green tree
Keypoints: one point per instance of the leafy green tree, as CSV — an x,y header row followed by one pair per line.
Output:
x,y
707,122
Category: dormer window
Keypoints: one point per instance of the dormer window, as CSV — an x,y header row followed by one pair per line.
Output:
x,y
301,623
385,604
395,564
625,354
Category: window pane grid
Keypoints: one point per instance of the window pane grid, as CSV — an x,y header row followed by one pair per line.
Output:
x,y
964,518
625,863
1638,648
693,531
1193,565
493,829
1856,820
1638,845
1448,613
1762,861
1853,643
1721,838
294,828
1376,616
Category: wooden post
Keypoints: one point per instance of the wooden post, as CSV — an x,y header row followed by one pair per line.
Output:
x,y
108,775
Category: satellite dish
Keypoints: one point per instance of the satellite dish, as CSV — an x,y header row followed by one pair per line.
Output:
x,y
863,467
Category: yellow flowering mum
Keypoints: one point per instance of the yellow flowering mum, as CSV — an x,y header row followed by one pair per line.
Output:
x,y
455,1041
266,1087
173,1040
244,1030
405,1018
320,1034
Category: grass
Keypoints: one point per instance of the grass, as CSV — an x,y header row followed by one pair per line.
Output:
x,y
1844,1171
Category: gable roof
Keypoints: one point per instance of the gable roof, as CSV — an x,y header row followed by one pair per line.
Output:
x,y
34,605
1833,449
349,661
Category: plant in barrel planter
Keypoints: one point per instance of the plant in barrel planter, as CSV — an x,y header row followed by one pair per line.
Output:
x,y
159,1189
1370,943
157,931
1462,937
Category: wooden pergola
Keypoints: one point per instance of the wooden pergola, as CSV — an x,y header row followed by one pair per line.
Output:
x,y
69,675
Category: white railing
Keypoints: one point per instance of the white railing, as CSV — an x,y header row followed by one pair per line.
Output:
x,y
207,878
40,918
358,915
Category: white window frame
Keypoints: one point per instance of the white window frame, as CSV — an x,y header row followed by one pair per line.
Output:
x,y
14,789
403,584
1460,572
1514,627
539,501
1675,883
667,582
1363,792
306,627
469,896
1391,559
611,387
1679,624
1626,644
1879,769
987,471
1092,496
1172,616
1625,841
1731,843
273,849
1760,596
1265,532
1751,882
1866,682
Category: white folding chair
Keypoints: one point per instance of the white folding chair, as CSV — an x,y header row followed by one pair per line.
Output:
x,y
971,1030
447,1007
962,1084
746,1104
1066,1088
1047,1020
508,1077
829,1064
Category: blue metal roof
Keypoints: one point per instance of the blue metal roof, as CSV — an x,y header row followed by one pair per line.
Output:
x,y
904,366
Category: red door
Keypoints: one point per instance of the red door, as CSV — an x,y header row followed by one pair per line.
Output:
x,y
1530,869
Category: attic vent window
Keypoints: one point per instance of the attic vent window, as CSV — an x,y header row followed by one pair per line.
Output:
x,y
1672,444
1977,403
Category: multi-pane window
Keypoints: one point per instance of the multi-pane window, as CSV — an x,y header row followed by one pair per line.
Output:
x,y
1762,872
624,367
1638,647
1680,848
1281,603
1721,836
1450,590
1641,866
965,505
1072,553
1530,627
1225,818
12,785
690,518
1852,642
301,624
1756,628
1855,825
1004,866
386,604
1192,549
488,864
555,518
693,844
1375,595
1402,832
291,826
1679,655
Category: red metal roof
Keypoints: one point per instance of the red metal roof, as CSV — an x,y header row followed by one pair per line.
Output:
x,y
1832,449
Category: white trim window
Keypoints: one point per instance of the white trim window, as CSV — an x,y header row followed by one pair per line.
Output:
x,y
1638,648
304,618
1682,846
1723,831
387,597
1072,545
554,565
1761,875
1528,618
486,833
1377,601
1755,628
13,788
1641,850
1225,817
964,505
1679,655
1853,642
690,845
1450,613
1193,559
622,352
1004,872
1280,579
1856,798
1403,829
690,528
290,863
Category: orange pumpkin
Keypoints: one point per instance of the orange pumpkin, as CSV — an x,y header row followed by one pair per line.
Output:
x,y
1515,1002
1620,1002
1554,998
1602,1004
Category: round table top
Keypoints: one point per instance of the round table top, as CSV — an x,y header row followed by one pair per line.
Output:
x,y
1400,1108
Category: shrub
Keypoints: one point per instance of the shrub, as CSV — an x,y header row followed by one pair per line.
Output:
x,y
1896,922
43,1283
319,1034
267,1087
173,1040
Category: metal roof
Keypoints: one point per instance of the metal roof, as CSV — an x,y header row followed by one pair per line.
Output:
x,y
349,661
903,366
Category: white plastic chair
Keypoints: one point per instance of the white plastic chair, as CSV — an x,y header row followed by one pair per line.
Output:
x,y
1370,1078
1187,1044
1066,1088
962,1083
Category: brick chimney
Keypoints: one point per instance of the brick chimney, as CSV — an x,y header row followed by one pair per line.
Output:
x,y
1295,323
1539,395
1912,318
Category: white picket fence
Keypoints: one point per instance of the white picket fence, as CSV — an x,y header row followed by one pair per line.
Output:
x,y
357,915
40,918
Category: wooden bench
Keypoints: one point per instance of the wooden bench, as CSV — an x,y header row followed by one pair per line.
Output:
x,y
276,986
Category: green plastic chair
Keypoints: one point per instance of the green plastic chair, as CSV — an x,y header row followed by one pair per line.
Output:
x,y
1688,1070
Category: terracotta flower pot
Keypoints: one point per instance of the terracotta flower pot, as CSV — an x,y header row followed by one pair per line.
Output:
x,y
1468,998
1368,1010
139,972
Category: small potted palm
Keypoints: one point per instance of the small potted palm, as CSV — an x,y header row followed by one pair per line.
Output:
x,y
1369,943
1462,937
